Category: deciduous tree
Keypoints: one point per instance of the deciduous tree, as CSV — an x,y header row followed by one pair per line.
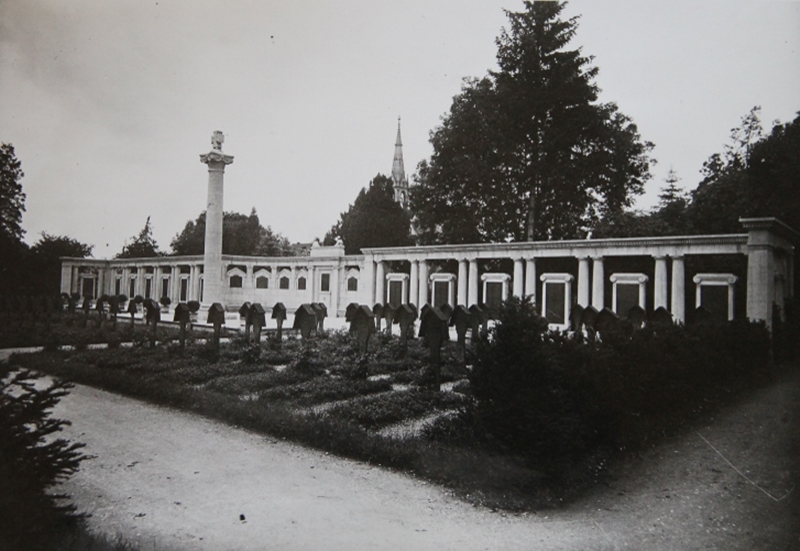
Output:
x,y
12,205
141,246
527,151
241,234
375,219
45,260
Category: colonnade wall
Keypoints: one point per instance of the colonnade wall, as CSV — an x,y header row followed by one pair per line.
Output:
x,y
735,276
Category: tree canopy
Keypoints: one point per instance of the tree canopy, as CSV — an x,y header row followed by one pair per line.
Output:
x,y
241,235
12,199
375,219
142,245
12,205
44,264
527,151
754,175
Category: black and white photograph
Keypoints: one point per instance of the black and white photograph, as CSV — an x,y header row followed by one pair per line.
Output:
x,y
361,275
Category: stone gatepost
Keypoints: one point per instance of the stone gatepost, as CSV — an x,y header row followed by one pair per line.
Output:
x,y
212,258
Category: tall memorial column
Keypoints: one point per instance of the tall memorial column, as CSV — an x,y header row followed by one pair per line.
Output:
x,y
661,283
212,256
598,283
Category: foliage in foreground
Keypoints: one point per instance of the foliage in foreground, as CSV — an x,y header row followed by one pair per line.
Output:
x,y
538,420
559,402
32,462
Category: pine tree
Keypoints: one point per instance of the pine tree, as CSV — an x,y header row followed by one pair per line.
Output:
x,y
141,246
528,152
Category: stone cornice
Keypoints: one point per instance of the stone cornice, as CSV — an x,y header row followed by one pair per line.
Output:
x,y
584,247
771,224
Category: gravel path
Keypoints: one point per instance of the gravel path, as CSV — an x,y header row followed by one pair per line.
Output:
x,y
171,480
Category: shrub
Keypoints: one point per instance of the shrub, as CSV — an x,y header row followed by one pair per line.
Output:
x,y
557,400
32,463
114,340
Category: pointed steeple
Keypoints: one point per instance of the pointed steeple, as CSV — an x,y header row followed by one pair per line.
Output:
x,y
399,179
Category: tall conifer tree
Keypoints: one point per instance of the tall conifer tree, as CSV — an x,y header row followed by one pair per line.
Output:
x,y
527,152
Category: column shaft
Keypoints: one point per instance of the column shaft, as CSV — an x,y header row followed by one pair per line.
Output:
x,y
661,283
413,281
598,283
423,283
463,266
584,288
380,282
530,279
472,294
678,305
519,281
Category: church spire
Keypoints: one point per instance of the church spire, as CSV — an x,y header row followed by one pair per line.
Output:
x,y
399,180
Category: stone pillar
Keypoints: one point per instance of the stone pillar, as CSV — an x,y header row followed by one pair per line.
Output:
x,y
413,281
423,283
213,289
584,288
678,306
66,278
249,282
335,292
311,283
140,276
530,279
369,281
157,271
472,284
598,283
760,282
661,283
519,278
463,266
380,283
194,283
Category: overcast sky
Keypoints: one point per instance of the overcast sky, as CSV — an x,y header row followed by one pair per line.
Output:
x,y
109,104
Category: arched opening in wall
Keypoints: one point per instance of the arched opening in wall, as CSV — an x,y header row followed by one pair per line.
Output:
x,y
283,283
262,282
235,282
301,284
